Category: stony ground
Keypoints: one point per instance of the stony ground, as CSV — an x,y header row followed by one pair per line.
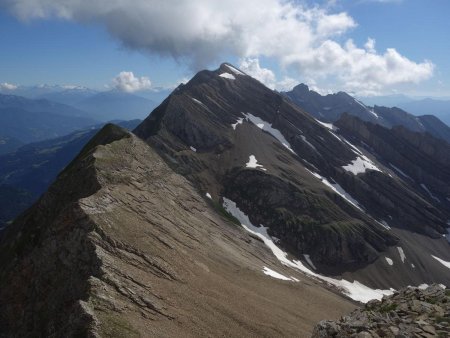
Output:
x,y
412,312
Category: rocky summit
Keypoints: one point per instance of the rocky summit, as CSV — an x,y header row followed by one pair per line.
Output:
x,y
412,312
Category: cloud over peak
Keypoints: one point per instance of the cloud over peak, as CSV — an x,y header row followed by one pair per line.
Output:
x,y
305,40
8,86
127,82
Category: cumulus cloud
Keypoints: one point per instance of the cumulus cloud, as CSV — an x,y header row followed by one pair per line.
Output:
x,y
7,86
266,76
305,39
127,82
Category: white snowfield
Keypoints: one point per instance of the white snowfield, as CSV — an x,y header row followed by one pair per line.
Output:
x,y
360,165
208,195
444,263
253,163
227,76
355,290
266,126
193,149
234,70
389,261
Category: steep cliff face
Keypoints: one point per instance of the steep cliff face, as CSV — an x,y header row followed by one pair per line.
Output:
x,y
317,193
121,245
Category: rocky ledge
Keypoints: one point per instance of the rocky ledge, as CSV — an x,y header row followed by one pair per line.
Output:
x,y
411,312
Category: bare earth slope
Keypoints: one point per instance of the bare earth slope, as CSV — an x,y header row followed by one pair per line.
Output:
x,y
121,245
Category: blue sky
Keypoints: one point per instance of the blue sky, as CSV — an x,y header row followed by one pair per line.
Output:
x,y
64,45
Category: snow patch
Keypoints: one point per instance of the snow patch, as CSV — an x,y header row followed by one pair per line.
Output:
x,y
360,165
193,149
355,290
401,253
239,121
227,76
424,187
389,261
253,163
338,190
309,261
208,195
400,171
385,225
308,143
266,126
447,236
413,266
234,70
445,263
275,274
327,125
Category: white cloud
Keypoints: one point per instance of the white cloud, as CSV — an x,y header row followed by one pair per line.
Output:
x,y
127,82
252,68
304,39
7,86
266,76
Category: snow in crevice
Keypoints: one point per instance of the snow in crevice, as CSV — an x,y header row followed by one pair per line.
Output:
x,y
401,254
239,121
354,148
208,195
234,70
424,187
389,260
400,171
338,190
440,260
385,224
326,125
199,102
308,143
193,149
253,163
355,290
266,126
227,76
360,165
309,261
277,275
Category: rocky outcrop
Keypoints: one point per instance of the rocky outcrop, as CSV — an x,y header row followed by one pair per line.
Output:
x,y
411,312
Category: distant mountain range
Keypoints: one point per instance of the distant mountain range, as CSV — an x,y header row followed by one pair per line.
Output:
x,y
113,105
329,108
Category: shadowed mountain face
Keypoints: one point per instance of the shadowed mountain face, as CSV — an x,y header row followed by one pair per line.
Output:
x,y
318,194
329,108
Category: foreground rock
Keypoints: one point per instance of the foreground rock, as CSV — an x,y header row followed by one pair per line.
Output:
x,y
412,312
